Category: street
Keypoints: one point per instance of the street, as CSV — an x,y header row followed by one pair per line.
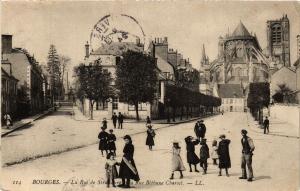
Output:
x,y
275,160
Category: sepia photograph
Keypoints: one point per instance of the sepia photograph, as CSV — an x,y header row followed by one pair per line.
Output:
x,y
150,95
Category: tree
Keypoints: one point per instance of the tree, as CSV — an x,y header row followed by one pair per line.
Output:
x,y
92,83
53,67
258,97
64,61
284,94
136,78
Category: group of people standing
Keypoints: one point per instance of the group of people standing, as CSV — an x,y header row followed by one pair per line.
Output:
x,y
118,118
220,152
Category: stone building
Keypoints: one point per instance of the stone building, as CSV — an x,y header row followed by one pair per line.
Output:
x,y
232,98
240,59
8,89
278,41
27,70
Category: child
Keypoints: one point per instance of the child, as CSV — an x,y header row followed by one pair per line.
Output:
x,y
111,138
104,123
177,164
150,137
111,169
148,120
204,155
192,158
214,153
103,140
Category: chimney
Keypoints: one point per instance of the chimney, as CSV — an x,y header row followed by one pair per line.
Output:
x,y
6,44
166,40
87,49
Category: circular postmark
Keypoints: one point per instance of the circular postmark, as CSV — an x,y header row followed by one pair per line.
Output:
x,y
116,28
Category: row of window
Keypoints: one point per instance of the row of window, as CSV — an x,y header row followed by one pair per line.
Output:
x,y
115,102
232,101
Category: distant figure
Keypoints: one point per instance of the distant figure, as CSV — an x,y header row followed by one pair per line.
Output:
x,y
214,153
114,118
148,120
204,155
202,129
8,120
104,123
128,169
111,139
197,129
266,125
150,137
177,164
111,169
192,158
103,140
120,120
224,157
247,152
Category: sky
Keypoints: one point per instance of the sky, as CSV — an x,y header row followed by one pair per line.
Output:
x,y
187,24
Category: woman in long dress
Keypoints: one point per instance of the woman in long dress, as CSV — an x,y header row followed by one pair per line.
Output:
x,y
192,158
150,137
177,164
224,157
128,169
103,135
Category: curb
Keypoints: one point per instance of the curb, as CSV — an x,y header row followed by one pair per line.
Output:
x,y
26,124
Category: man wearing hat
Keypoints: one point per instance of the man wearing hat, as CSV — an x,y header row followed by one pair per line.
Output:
x,y
202,129
247,152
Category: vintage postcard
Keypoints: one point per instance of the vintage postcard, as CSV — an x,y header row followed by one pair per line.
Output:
x,y
150,95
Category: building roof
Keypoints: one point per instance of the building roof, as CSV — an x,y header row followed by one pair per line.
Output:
x,y
117,48
4,73
241,30
230,91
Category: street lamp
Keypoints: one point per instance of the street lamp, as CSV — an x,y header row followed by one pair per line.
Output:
x,y
168,113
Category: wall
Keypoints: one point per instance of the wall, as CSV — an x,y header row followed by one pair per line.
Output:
x,y
283,76
286,113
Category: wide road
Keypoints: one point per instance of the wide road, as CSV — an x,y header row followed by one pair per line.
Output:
x,y
275,162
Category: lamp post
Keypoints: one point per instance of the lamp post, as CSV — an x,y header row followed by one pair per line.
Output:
x,y
168,112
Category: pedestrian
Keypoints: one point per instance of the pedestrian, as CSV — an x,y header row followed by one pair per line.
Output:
x,y
111,139
202,130
204,155
104,123
8,120
148,120
247,153
266,125
224,157
114,118
197,129
111,169
177,164
120,120
191,156
214,153
103,135
150,136
127,167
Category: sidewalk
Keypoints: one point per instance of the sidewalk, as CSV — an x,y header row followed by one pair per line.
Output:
x,y
23,123
277,127
78,116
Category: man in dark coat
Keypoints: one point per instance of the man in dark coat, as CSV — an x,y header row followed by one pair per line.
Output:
x,y
192,158
247,152
266,125
111,138
204,155
197,129
120,120
114,118
224,157
127,167
103,140
202,129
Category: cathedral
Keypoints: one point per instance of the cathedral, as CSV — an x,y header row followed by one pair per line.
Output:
x,y
240,59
